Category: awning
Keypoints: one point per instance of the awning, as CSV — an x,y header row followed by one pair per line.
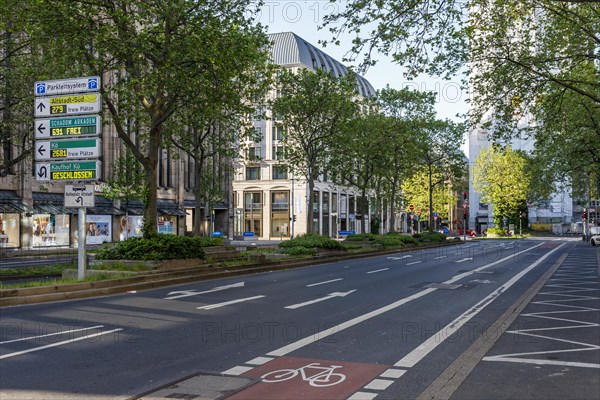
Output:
x,y
11,203
104,206
132,208
217,206
50,203
169,207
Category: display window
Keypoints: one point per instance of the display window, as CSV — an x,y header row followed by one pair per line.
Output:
x,y
166,224
98,229
50,230
130,226
9,230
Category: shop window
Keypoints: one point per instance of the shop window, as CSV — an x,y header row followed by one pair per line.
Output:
x,y
9,230
50,230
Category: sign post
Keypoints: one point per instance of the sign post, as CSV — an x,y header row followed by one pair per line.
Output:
x,y
72,148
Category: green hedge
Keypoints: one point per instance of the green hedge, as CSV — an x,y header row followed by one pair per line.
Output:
x,y
299,251
159,247
311,241
360,237
430,236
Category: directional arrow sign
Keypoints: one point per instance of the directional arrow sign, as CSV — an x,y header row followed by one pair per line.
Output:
x,y
68,149
85,125
187,293
79,196
68,171
329,296
68,105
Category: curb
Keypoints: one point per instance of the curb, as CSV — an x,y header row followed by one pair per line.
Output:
x,y
13,297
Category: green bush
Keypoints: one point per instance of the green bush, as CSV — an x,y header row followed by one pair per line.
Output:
x,y
158,247
496,231
311,241
299,251
428,237
390,241
362,237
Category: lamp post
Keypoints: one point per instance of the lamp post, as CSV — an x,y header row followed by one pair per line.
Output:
x,y
293,214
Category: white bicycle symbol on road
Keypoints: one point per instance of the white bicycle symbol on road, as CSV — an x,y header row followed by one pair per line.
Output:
x,y
321,376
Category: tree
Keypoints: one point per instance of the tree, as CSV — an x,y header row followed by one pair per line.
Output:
x,y
417,191
406,112
502,178
441,156
210,129
151,51
314,110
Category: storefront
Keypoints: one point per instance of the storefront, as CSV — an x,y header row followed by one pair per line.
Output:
x,y
11,210
51,221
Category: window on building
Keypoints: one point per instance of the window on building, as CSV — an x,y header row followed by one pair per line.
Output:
x,y
252,173
253,212
277,133
278,153
280,217
254,153
280,172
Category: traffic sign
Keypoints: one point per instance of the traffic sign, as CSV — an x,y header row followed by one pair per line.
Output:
x,y
68,171
68,149
79,196
86,125
411,207
64,86
74,104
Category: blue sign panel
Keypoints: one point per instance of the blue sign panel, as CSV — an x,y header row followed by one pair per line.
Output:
x,y
344,233
217,233
248,233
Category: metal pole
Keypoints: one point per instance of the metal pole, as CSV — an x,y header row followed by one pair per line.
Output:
x,y
81,259
293,213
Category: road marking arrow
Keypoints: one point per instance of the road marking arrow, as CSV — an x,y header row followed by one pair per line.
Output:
x,y
464,259
188,293
329,296
227,303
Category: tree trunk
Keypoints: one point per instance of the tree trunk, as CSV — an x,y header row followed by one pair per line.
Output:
x,y
393,204
197,229
430,199
309,212
150,213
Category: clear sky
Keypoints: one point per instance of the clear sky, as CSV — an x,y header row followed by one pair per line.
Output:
x,y
304,17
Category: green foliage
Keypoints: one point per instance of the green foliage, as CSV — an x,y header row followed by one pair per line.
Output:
x,y
311,241
299,251
157,247
390,241
428,237
361,237
496,231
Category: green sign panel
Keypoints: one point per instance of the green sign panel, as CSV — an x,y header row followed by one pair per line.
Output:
x,y
68,171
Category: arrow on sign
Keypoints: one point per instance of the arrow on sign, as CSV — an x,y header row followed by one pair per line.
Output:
x,y
329,296
41,107
41,150
41,128
79,199
43,172
188,293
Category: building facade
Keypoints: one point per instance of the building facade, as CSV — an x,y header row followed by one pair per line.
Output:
x,y
270,202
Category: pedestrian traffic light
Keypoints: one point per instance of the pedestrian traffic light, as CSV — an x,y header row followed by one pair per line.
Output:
x,y
465,195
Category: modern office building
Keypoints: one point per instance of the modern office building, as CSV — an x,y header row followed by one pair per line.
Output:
x,y
271,203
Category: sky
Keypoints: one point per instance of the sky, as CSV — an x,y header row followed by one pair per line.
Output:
x,y
304,17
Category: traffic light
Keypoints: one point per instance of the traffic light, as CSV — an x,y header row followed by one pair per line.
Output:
x,y
584,216
294,218
465,195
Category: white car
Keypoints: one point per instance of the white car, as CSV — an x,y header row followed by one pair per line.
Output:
x,y
595,240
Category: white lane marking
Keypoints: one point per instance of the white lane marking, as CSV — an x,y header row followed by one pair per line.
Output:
x,y
377,270
345,325
437,258
414,262
361,318
238,370
378,384
464,259
18,353
323,283
438,338
362,396
393,373
259,360
399,258
542,362
228,303
329,296
187,293
52,334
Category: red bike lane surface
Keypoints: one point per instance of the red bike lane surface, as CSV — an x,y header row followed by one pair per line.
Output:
x,y
295,378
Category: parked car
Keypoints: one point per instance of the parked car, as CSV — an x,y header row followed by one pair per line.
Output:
x,y
595,240
444,230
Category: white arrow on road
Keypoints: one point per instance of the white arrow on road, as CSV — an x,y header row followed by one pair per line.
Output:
x,y
329,296
464,259
227,303
188,293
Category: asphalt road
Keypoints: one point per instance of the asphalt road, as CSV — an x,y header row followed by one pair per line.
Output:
x,y
385,327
